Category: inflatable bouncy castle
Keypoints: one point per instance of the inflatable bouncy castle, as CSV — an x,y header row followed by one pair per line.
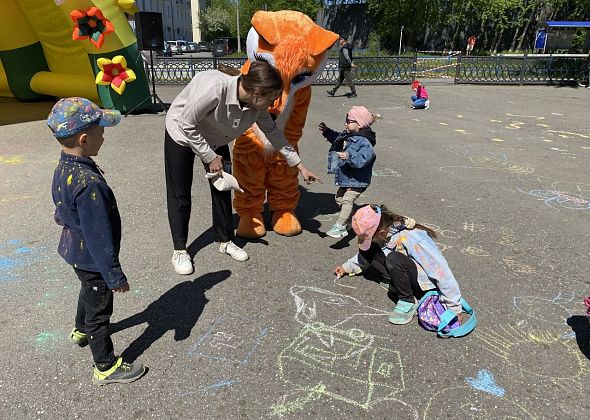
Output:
x,y
61,48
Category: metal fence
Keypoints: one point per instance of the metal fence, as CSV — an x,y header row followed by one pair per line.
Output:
x,y
403,69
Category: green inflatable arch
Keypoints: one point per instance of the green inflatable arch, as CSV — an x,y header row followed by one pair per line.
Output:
x,y
50,48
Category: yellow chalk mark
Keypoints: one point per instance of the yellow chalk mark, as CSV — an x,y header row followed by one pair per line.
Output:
x,y
570,133
12,160
584,147
498,140
459,116
543,125
563,136
525,116
514,125
556,113
442,123
548,141
70,179
495,120
415,119
459,130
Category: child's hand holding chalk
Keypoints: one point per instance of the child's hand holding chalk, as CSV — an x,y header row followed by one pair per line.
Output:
x,y
339,272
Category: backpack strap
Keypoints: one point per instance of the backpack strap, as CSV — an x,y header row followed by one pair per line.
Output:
x,y
464,328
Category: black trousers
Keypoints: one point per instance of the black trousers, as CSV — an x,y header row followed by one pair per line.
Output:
x,y
345,74
179,162
398,269
95,307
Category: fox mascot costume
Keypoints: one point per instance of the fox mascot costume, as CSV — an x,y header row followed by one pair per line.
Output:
x,y
297,47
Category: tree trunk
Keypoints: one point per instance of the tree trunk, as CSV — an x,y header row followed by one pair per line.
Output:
x,y
514,39
526,29
498,40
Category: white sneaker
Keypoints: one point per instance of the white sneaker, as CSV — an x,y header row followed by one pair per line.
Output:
x,y
182,262
233,251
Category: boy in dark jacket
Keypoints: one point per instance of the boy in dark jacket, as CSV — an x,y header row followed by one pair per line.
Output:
x,y
351,158
345,65
91,235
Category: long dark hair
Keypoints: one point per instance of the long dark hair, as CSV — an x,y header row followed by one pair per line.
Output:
x,y
262,77
389,218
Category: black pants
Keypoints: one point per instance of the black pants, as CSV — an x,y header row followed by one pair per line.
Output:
x,y
345,74
179,162
398,269
95,307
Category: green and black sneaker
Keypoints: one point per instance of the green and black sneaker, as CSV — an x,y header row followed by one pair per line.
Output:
x,y
121,372
78,337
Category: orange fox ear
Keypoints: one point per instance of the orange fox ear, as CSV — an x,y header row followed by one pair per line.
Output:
x,y
320,40
272,26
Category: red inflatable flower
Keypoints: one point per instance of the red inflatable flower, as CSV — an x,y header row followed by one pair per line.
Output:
x,y
115,73
90,24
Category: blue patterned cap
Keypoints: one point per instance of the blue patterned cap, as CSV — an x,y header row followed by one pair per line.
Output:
x,y
72,115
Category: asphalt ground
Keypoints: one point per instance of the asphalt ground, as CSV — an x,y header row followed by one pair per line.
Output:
x,y
500,172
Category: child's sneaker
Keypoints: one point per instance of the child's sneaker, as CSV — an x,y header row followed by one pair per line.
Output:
x,y
337,231
182,262
427,104
121,372
403,312
78,337
233,251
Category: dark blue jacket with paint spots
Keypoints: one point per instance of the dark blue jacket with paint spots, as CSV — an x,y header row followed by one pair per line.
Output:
x,y
86,208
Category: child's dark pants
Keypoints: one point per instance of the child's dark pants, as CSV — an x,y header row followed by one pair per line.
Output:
x,y
398,269
179,161
95,307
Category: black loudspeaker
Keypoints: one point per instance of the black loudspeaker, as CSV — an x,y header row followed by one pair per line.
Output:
x,y
149,31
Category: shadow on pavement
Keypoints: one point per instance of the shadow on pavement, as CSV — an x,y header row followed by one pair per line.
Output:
x,y
178,309
581,326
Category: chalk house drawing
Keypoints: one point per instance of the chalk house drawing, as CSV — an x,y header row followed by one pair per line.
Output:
x,y
345,365
520,348
231,338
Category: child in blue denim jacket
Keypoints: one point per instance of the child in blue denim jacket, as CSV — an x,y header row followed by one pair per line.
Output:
x,y
351,158
90,241
405,255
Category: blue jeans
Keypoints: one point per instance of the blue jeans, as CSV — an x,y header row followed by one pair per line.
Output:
x,y
418,103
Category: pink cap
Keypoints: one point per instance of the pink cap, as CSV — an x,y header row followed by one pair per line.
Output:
x,y
365,223
361,115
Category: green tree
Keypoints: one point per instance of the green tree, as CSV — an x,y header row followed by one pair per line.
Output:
x,y
216,20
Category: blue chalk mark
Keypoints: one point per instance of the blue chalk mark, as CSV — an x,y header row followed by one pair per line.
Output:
x,y
225,382
485,382
263,331
568,335
7,263
23,250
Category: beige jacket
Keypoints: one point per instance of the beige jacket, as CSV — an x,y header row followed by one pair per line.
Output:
x,y
207,114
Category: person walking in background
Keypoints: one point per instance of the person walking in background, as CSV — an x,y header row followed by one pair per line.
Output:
x,y
350,159
470,44
345,66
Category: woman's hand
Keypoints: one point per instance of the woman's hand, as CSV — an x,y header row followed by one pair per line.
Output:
x,y
216,165
342,155
308,176
339,271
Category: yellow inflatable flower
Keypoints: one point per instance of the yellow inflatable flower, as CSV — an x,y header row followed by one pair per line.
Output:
x,y
128,6
115,73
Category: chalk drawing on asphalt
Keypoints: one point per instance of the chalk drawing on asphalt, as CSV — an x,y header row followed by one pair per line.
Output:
x,y
551,311
529,351
231,338
313,304
212,387
563,199
475,251
351,366
486,382
386,172
470,403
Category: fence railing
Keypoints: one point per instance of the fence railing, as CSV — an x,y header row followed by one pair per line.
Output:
x,y
403,69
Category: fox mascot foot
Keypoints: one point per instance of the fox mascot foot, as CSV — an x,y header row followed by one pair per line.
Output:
x,y
284,222
251,226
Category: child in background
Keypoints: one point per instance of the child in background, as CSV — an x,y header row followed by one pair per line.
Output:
x,y
91,235
350,159
404,254
420,99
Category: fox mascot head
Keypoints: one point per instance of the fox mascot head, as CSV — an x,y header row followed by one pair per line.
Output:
x,y
297,47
